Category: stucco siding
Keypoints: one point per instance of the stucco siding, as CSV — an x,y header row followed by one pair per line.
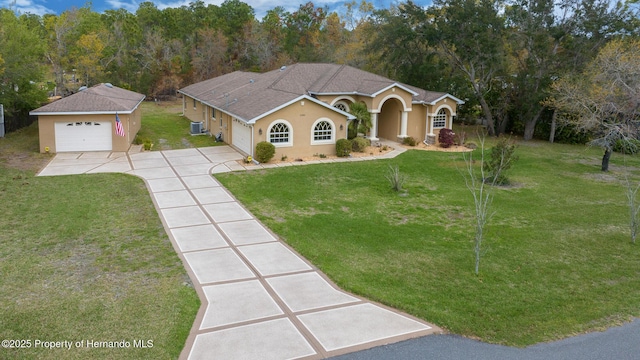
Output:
x,y
130,122
397,93
194,112
302,116
417,122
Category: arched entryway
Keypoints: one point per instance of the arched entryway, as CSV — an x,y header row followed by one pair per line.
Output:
x,y
389,119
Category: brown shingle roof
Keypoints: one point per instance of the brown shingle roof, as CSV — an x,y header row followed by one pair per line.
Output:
x,y
249,95
102,98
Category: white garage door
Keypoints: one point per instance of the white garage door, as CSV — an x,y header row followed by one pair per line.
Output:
x,y
83,136
241,136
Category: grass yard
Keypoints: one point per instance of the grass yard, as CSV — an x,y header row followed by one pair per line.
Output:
x,y
165,126
558,258
85,257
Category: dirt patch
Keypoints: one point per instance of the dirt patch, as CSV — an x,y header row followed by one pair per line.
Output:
x,y
25,161
423,146
602,177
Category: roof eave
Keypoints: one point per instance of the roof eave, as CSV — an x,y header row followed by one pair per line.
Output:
x,y
214,106
39,113
458,101
395,84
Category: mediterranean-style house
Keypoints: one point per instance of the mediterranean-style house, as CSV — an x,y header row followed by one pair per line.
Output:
x,y
100,118
303,109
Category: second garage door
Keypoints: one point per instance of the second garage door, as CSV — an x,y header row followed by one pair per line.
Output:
x,y
83,136
241,136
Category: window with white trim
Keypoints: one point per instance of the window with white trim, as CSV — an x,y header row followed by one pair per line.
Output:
x,y
440,119
323,131
280,133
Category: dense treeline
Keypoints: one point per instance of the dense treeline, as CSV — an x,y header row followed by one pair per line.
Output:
x,y
501,56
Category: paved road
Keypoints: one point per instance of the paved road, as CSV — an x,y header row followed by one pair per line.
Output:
x,y
619,343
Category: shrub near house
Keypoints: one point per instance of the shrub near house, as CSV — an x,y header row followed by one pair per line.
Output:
x,y
446,138
265,151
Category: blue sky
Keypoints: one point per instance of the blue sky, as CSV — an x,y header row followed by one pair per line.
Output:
x,y
42,7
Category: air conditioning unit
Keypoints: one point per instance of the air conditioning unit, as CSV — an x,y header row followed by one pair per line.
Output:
x,y
196,128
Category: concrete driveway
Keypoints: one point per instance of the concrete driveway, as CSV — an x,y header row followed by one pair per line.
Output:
x,y
260,299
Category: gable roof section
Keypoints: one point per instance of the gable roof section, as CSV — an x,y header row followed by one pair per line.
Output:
x,y
98,99
302,97
250,96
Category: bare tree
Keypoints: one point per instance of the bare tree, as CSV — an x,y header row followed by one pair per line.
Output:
x,y
605,99
633,204
481,188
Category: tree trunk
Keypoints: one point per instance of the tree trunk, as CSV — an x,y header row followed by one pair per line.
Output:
x,y
528,130
605,159
552,132
502,125
487,114
530,125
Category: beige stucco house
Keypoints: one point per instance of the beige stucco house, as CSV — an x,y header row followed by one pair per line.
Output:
x,y
304,108
86,120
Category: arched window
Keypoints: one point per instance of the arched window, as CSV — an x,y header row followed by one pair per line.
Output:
x,y
280,133
322,131
440,120
342,106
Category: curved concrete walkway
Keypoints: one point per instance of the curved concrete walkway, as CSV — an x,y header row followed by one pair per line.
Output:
x,y
260,299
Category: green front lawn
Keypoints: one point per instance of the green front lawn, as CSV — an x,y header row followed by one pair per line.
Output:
x,y
558,257
164,125
85,258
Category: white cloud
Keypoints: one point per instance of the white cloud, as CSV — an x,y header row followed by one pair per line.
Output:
x,y
130,6
25,6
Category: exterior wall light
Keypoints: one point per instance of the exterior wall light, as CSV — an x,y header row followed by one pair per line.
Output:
x,y
260,131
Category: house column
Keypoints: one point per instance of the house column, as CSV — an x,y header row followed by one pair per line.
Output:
x,y
373,135
403,125
429,137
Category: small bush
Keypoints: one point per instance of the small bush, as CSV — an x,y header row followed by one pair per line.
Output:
x,y
265,151
146,144
343,148
395,178
446,138
627,146
137,140
409,141
359,144
500,160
